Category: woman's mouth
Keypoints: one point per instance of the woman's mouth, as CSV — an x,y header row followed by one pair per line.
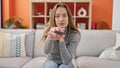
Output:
x,y
61,24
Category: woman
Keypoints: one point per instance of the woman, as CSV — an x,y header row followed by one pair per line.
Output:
x,y
60,49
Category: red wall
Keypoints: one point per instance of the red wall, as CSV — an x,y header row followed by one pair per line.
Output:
x,y
101,10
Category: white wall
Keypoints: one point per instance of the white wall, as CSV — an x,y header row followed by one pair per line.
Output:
x,y
116,15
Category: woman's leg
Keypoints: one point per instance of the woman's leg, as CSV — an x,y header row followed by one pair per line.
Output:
x,y
50,64
70,65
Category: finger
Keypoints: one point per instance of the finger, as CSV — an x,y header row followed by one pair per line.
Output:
x,y
56,29
58,36
52,29
52,34
63,35
51,37
62,29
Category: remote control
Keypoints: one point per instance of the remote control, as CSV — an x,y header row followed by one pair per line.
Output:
x,y
59,33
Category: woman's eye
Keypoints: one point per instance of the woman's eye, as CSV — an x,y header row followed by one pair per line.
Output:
x,y
57,16
65,15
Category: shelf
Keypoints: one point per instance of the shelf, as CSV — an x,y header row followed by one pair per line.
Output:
x,y
41,10
38,16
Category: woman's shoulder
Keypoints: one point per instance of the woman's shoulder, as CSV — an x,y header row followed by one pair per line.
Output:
x,y
74,37
74,34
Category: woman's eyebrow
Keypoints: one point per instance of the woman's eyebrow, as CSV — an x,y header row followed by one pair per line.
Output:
x,y
65,13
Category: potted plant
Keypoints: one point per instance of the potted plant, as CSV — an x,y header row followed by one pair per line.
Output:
x,y
23,27
14,23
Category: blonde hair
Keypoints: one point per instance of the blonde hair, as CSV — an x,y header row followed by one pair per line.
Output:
x,y
51,23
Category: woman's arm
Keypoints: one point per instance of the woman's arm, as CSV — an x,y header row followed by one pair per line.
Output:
x,y
47,45
67,52
51,37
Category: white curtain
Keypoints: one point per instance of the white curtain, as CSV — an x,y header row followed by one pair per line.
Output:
x,y
116,15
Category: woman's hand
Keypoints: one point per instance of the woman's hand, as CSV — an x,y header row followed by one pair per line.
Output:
x,y
53,36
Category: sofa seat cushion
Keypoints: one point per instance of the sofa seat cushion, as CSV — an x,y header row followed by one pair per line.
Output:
x,y
95,62
16,62
35,63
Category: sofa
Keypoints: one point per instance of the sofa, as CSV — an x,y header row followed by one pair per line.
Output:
x,y
91,45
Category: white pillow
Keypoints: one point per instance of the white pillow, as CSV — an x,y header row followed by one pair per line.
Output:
x,y
113,52
117,40
12,45
110,53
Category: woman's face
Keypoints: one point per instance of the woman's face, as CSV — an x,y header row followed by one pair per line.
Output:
x,y
61,17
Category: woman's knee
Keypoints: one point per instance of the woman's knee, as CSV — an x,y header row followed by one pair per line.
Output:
x,y
50,64
70,65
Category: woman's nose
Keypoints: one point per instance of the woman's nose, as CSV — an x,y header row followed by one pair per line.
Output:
x,y
61,18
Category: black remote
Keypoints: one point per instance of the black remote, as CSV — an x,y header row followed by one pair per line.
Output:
x,y
59,33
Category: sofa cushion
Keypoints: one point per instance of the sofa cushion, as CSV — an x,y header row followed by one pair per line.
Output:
x,y
29,40
35,63
39,61
38,50
110,53
93,42
17,62
12,45
117,44
94,62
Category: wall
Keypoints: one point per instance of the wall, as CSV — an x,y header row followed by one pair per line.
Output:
x,y
5,10
19,8
101,10
0,13
116,15
22,10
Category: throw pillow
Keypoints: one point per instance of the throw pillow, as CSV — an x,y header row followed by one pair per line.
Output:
x,y
113,52
12,45
110,53
117,40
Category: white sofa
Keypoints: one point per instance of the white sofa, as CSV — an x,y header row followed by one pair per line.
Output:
x,y
92,44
